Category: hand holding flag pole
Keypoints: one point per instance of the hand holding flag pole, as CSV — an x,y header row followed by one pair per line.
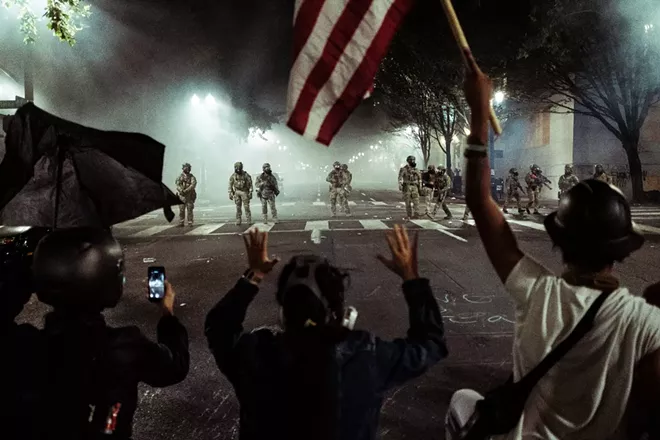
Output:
x,y
463,45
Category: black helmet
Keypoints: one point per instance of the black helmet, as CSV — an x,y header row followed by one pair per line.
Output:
x,y
238,167
593,221
344,167
411,160
442,170
185,165
513,171
431,168
265,166
568,169
336,165
311,292
79,268
599,169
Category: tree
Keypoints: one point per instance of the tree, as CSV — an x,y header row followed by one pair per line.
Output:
x,y
63,17
609,72
254,120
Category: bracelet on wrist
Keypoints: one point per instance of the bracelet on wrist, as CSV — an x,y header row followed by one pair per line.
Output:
x,y
252,276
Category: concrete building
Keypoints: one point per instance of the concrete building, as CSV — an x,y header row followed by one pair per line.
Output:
x,y
552,140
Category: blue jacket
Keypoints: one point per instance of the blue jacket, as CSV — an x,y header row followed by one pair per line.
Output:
x,y
368,366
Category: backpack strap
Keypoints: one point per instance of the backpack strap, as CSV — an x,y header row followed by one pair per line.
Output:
x,y
581,329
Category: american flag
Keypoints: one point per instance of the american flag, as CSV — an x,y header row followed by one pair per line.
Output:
x,y
338,46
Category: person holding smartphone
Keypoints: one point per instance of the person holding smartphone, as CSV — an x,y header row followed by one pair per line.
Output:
x,y
319,378
91,370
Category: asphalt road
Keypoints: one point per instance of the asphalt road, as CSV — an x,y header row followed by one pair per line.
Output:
x,y
204,261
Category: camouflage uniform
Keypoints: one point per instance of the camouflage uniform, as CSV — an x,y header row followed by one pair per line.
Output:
x,y
240,191
442,187
267,190
337,181
348,179
511,186
533,188
428,185
410,183
567,181
185,188
601,175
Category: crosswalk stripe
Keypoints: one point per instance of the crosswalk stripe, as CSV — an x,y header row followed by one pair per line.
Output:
x,y
319,203
261,226
528,224
351,203
321,225
428,224
205,229
378,203
151,231
649,229
373,224
289,204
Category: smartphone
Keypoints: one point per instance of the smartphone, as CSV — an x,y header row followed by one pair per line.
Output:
x,y
156,275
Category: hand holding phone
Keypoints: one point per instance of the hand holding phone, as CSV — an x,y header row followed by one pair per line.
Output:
x,y
156,277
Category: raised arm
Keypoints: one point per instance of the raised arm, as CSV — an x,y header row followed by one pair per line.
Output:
x,y
496,235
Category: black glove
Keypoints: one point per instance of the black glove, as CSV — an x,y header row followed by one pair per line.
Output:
x,y
277,192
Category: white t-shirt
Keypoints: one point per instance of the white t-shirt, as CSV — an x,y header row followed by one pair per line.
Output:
x,y
585,395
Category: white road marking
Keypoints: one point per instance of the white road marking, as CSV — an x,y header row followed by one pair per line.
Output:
x,y
373,224
151,231
372,199
648,229
319,203
289,204
528,224
364,194
261,226
428,224
351,203
321,225
316,236
373,202
205,229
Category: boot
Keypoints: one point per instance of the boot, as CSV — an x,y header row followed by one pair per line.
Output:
x,y
536,211
448,217
521,211
528,211
249,220
190,224
181,224
238,221
274,220
431,216
504,210
265,219
465,217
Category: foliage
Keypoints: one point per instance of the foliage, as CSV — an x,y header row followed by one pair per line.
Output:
x,y
63,17
255,121
609,73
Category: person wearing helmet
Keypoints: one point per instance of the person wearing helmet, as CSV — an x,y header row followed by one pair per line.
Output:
x,y
586,393
512,185
410,183
600,174
534,182
442,186
337,181
317,377
428,186
185,189
240,191
92,370
567,181
267,190
346,190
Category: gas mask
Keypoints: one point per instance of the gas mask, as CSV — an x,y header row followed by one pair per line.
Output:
x,y
304,274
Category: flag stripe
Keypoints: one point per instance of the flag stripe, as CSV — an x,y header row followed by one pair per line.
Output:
x,y
356,53
336,44
311,52
362,80
306,15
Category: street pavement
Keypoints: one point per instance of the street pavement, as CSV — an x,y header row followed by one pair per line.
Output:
x,y
204,261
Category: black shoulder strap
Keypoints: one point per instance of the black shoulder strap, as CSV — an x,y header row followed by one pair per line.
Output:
x,y
581,329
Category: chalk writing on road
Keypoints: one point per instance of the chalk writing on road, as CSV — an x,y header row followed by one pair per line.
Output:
x,y
474,299
448,298
474,318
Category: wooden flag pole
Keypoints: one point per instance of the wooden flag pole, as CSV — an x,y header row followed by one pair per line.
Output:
x,y
459,35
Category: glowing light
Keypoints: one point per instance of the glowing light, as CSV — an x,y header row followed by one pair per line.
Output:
x,y
284,147
467,132
499,97
648,28
195,100
210,101
371,147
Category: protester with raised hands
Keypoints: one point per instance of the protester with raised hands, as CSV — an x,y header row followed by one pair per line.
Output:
x,y
316,377
584,394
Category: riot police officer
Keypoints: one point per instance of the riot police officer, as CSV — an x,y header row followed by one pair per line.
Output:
x,y
185,188
410,184
267,190
240,191
337,181
442,187
600,174
511,186
567,181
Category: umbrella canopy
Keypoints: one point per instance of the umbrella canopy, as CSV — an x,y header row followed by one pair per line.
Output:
x,y
56,173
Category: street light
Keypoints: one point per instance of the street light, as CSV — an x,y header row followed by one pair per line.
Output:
x,y
209,101
194,100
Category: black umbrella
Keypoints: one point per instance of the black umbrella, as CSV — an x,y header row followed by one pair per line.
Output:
x,y
59,174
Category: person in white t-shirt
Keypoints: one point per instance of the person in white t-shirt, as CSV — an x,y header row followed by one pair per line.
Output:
x,y
585,395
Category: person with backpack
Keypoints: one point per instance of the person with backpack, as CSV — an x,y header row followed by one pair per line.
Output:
x,y
583,393
318,378
91,370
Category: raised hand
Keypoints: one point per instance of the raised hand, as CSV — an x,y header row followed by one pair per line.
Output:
x,y
404,255
256,246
